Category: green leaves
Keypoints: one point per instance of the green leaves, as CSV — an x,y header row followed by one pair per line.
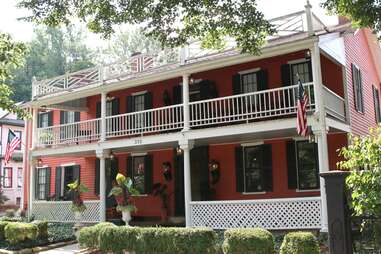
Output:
x,y
171,22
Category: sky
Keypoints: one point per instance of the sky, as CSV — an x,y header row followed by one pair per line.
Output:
x,y
23,31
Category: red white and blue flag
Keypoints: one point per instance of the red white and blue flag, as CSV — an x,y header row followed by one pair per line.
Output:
x,y
12,143
301,118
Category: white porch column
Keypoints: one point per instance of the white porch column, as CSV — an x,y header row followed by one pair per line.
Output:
x,y
102,155
186,102
34,127
186,146
103,115
321,129
31,185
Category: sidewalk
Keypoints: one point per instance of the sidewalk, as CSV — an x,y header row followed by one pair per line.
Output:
x,y
69,249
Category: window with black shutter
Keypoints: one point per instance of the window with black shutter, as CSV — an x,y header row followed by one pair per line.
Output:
x,y
45,119
140,102
139,169
376,101
254,174
357,88
303,69
42,183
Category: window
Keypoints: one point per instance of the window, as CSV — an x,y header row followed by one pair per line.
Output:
x,y
18,201
249,82
41,183
109,108
307,165
19,177
357,88
7,177
139,105
138,173
19,135
68,117
304,71
376,101
44,120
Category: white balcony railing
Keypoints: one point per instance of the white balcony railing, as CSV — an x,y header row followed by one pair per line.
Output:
x,y
272,214
250,106
59,211
267,104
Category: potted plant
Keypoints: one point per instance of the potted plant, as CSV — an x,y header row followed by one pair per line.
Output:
x,y
122,191
77,206
160,190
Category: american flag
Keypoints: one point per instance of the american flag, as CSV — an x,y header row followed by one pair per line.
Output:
x,y
301,117
12,143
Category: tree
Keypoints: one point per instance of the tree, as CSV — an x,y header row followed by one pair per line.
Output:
x,y
11,56
171,22
363,158
364,13
52,52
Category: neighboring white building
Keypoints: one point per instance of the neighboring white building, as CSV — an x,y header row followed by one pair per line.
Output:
x,y
12,172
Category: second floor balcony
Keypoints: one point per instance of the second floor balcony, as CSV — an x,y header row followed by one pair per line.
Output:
x,y
270,104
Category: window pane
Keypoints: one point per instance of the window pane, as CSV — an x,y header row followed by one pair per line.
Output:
x,y
44,120
307,166
303,70
7,177
138,173
249,82
19,177
253,169
41,183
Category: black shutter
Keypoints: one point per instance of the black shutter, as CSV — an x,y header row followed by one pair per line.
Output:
x,y
114,168
267,167
148,176
58,187
148,101
236,83
36,185
262,79
77,116
62,117
50,118
39,120
47,185
130,104
285,74
129,167
97,175
310,74
77,173
361,99
177,94
115,106
98,110
239,173
291,165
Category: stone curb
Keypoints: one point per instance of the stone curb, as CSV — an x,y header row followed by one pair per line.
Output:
x,y
37,249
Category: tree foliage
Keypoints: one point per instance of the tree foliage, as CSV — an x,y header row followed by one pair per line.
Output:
x,y
51,52
363,13
11,57
171,22
363,158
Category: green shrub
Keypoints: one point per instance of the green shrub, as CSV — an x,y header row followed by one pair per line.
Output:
x,y
10,219
16,232
250,240
300,243
89,236
10,213
42,229
2,227
118,239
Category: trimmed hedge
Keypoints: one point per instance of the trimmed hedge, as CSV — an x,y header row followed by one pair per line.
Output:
x,y
42,229
2,228
16,232
300,243
89,236
149,240
248,240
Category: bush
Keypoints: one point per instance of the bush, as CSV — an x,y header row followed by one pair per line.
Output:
x,y
300,243
10,213
250,240
59,232
89,236
16,232
118,239
42,229
2,227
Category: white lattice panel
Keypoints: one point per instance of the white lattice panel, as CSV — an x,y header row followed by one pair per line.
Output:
x,y
273,214
59,211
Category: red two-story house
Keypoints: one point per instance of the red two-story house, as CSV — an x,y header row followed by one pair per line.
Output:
x,y
217,127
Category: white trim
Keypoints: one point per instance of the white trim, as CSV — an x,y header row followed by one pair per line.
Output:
x,y
256,143
68,164
138,154
254,193
139,93
249,71
313,190
299,138
298,61
248,201
44,166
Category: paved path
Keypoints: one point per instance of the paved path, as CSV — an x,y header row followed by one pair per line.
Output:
x,y
69,249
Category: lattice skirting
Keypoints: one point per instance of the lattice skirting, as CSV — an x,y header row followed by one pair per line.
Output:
x,y
59,211
272,214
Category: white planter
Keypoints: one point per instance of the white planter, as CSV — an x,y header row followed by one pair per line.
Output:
x,y
77,216
126,216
